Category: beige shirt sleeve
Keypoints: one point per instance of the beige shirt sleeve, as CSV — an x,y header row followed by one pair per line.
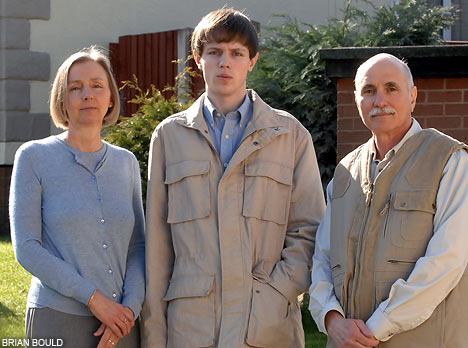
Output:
x,y
413,300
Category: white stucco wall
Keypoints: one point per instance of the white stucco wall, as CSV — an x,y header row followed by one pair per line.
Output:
x,y
76,24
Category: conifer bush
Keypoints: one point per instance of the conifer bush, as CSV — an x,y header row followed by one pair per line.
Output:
x,y
290,75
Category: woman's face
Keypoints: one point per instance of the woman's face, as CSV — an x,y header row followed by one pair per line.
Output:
x,y
88,95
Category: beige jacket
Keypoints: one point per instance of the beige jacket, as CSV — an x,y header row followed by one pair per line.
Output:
x,y
229,251
379,231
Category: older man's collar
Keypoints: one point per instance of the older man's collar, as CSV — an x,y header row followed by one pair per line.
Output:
x,y
414,129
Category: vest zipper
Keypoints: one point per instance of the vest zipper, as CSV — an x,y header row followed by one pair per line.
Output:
x,y
369,195
386,211
400,261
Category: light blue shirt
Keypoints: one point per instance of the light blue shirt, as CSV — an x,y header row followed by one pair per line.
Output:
x,y
227,130
77,225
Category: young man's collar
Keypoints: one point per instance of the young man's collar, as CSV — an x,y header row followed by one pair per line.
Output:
x,y
210,111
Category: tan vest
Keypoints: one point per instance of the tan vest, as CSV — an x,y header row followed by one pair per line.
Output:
x,y
380,229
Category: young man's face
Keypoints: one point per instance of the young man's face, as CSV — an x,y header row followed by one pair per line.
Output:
x,y
225,66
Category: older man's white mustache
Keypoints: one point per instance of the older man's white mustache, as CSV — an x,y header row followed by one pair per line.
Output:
x,y
385,110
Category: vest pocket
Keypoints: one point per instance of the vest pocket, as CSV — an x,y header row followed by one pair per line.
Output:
x,y
270,322
190,312
267,191
411,223
188,182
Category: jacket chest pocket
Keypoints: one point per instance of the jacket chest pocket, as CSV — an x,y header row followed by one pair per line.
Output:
x,y
267,191
188,191
191,312
410,223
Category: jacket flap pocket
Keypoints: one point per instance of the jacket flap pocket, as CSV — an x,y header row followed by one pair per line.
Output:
x,y
189,287
415,200
178,171
275,171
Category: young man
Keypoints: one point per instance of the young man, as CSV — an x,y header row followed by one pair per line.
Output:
x,y
234,201
391,255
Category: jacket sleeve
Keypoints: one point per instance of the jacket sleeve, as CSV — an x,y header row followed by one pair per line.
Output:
x,y
159,252
134,282
26,231
291,275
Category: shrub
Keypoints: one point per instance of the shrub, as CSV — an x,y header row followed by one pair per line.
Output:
x,y
134,133
290,74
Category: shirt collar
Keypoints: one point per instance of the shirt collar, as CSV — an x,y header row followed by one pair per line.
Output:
x,y
414,129
244,109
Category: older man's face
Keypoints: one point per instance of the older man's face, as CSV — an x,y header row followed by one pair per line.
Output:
x,y
385,99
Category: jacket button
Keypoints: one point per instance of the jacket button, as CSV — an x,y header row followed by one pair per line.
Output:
x,y
256,143
257,291
402,204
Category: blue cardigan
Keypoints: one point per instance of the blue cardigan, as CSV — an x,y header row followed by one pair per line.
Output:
x,y
77,229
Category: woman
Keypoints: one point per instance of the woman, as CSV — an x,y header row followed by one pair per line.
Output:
x,y
77,216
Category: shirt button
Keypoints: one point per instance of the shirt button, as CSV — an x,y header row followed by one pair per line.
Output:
x,y
114,295
225,165
110,271
227,136
102,221
104,246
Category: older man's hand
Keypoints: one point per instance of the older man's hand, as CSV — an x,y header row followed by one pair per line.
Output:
x,y
349,333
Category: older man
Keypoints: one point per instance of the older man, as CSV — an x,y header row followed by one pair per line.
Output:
x,y
391,253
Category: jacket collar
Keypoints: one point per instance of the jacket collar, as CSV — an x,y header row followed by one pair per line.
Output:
x,y
263,115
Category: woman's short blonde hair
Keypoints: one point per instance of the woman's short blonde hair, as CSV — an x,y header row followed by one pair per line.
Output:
x,y
59,90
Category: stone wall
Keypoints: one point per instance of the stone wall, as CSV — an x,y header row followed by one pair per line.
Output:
x,y
18,67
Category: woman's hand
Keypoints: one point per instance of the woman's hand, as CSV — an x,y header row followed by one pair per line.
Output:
x,y
108,339
114,316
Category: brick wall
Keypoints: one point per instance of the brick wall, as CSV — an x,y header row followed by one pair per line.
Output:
x,y
5,175
442,103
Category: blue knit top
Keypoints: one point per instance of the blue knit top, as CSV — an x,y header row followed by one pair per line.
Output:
x,y
78,225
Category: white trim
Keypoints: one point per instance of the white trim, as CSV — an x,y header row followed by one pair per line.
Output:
x,y
447,33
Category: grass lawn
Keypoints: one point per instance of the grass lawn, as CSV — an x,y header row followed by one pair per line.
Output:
x,y
14,286
313,338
